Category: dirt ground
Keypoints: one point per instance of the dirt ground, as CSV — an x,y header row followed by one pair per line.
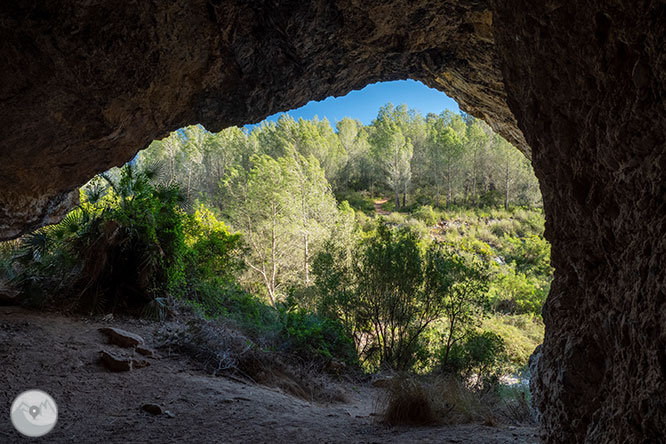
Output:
x,y
60,355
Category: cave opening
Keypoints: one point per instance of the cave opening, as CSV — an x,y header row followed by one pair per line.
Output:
x,y
576,86
463,195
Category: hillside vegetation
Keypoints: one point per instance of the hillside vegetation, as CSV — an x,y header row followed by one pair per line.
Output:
x,y
414,244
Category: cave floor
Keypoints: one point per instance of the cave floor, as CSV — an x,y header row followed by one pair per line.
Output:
x,y
60,355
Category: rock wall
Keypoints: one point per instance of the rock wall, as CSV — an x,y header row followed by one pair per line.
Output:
x,y
85,84
587,83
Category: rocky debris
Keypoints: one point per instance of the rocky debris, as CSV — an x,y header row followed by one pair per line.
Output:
x,y
153,409
122,338
145,351
120,363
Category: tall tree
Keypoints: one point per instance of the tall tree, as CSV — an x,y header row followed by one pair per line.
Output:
x,y
393,151
444,155
311,203
261,211
281,206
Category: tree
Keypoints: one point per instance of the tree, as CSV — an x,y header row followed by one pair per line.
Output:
x,y
357,171
281,206
444,154
389,285
461,285
393,151
259,207
387,293
311,203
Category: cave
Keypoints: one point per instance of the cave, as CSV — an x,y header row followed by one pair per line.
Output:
x,y
579,87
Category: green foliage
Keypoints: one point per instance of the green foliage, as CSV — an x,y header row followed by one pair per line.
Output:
x,y
521,335
481,356
307,334
400,288
358,200
388,291
461,282
426,215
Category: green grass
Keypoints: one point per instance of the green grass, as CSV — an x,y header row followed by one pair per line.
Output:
x,y
521,334
358,200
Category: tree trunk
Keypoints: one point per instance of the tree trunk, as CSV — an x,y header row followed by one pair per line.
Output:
x,y
397,200
404,199
274,262
306,268
506,187
448,186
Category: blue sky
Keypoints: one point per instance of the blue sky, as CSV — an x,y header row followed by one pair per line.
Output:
x,y
364,104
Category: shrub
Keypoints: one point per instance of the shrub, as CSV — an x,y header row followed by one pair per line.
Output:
x,y
313,337
358,200
409,403
419,228
395,219
502,228
433,400
481,357
520,334
426,215
365,222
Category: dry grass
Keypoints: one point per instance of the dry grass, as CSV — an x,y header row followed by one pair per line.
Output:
x,y
220,349
409,403
442,399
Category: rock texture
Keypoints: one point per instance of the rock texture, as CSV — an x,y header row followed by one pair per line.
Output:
x,y
122,338
117,362
586,81
85,84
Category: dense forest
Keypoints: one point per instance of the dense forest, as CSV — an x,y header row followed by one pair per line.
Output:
x,y
413,243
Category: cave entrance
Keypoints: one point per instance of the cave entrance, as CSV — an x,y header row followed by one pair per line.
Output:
x,y
577,86
245,227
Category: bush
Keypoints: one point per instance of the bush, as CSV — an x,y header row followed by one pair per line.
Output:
x,y
433,400
520,334
365,222
313,337
130,246
481,357
419,228
502,228
426,215
409,403
358,200
395,219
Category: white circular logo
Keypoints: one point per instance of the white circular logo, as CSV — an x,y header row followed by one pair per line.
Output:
x,y
34,413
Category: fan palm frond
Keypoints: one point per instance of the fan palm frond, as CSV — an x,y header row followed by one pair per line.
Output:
x,y
156,171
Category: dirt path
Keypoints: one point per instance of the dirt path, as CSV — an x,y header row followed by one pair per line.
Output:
x,y
378,207
60,355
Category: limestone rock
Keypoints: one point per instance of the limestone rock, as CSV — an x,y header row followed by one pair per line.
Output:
x,y
121,337
120,363
148,352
